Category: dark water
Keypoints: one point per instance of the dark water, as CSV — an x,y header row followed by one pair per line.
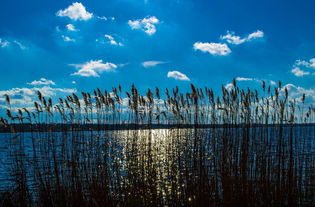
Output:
x,y
223,166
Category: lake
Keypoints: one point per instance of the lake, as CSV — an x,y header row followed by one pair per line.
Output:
x,y
249,166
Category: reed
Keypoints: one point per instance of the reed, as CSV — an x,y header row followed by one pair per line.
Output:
x,y
239,148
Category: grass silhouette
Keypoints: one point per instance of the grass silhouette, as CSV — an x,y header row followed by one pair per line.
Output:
x,y
236,149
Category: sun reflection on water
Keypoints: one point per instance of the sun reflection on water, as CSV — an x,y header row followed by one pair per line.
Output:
x,y
151,159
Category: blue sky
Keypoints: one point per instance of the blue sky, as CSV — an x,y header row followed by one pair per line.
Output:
x,y
64,46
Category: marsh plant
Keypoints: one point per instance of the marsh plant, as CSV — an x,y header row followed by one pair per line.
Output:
x,y
162,149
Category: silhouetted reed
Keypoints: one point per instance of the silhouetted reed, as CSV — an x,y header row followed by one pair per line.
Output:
x,y
235,149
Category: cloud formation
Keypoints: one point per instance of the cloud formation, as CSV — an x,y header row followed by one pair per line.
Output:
x,y
42,81
213,48
24,97
151,63
229,86
298,72
146,24
71,27
308,64
106,18
20,45
4,43
67,39
231,38
112,40
296,92
248,79
93,68
177,75
75,12
244,79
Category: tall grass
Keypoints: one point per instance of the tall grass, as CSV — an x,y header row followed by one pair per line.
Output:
x,y
175,149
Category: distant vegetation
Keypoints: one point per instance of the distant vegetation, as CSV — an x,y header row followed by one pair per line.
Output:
x,y
251,153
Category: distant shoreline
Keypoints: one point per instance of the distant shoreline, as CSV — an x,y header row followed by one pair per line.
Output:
x,y
101,127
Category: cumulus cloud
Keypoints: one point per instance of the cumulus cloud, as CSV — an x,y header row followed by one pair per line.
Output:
x,y
146,24
93,68
308,64
24,97
255,35
42,81
151,63
49,91
71,27
177,75
112,40
213,48
296,92
229,86
231,38
298,72
75,12
67,39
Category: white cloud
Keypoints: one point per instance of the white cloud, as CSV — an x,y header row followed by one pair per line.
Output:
x,y
42,81
76,11
273,83
308,64
298,72
4,43
255,35
21,46
177,75
102,18
151,63
106,18
248,79
67,39
146,24
112,40
74,82
93,68
18,92
231,38
71,27
229,86
49,91
244,79
296,92
24,97
213,48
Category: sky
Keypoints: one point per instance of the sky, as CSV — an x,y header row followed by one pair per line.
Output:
x,y
62,46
